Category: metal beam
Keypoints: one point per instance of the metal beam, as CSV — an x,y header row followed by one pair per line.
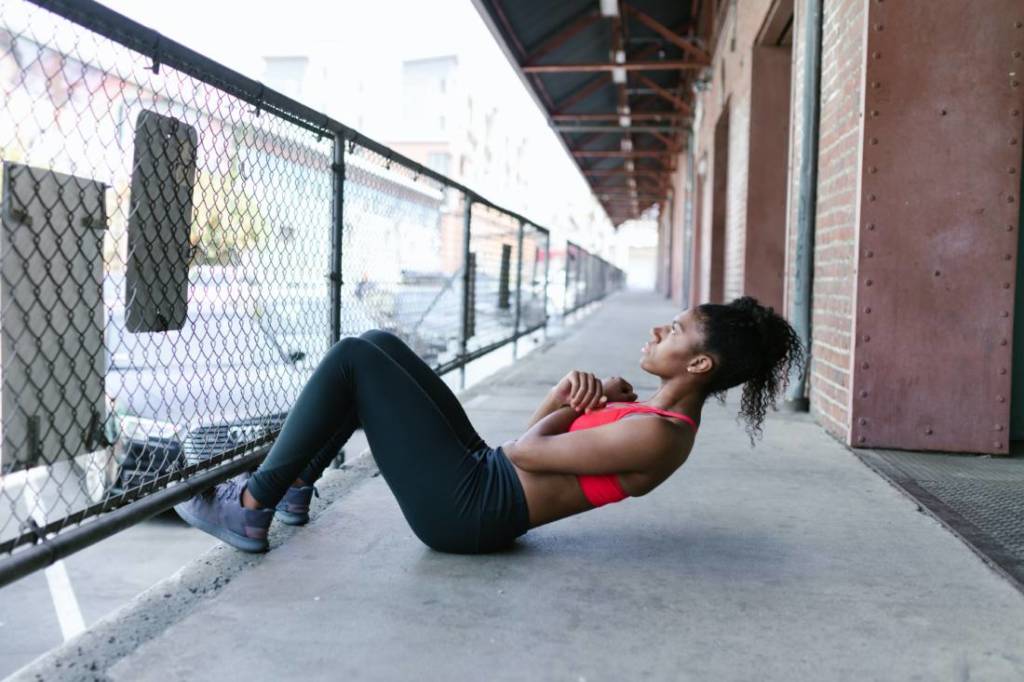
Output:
x,y
583,92
631,197
581,143
674,65
680,104
669,142
644,175
590,86
563,34
648,175
537,81
668,34
636,116
613,154
623,189
645,184
621,130
639,187
611,190
624,192
620,190
599,172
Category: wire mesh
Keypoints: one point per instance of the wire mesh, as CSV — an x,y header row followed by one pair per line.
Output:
x,y
588,278
493,259
533,297
402,253
164,248
177,255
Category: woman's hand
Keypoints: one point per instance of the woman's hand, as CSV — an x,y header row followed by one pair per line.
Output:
x,y
580,390
618,390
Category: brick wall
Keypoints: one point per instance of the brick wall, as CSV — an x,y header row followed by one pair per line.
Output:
x,y
729,91
764,262
839,152
915,218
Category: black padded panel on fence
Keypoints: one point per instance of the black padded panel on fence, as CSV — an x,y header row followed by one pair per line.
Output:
x,y
52,349
159,223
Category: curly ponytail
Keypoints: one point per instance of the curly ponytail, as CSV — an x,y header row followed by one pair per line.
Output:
x,y
756,347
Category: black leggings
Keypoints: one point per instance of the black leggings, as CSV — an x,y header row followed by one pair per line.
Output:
x,y
457,493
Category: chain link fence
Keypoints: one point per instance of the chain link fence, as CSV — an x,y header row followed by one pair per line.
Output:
x,y
588,278
179,248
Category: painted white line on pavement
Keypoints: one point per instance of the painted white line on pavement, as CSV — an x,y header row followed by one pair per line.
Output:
x,y
63,595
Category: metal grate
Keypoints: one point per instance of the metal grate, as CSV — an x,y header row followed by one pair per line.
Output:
x,y
978,497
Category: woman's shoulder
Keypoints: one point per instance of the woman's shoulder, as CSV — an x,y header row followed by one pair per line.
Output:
x,y
640,409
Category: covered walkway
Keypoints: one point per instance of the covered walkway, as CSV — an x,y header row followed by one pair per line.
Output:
x,y
789,561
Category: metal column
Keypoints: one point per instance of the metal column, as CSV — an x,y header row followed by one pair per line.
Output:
x,y
800,314
467,304
519,292
337,223
547,277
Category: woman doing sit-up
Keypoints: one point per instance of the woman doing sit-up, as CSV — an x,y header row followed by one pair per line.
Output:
x,y
588,444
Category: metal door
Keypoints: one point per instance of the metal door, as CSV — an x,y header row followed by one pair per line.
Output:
x,y
1017,392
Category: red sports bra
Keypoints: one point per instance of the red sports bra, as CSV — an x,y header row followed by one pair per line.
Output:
x,y
605,489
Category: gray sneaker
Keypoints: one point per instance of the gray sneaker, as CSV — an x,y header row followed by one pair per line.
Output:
x,y
293,508
219,512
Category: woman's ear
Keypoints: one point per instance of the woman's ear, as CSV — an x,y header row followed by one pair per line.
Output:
x,y
700,364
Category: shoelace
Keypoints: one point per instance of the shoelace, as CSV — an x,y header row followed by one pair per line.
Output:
x,y
229,490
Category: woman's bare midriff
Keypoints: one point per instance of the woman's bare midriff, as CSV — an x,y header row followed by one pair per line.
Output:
x,y
553,496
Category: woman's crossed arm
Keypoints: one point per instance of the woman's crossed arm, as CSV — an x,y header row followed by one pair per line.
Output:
x,y
619,447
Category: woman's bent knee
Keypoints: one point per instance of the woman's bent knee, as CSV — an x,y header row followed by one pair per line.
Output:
x,y
351,342
379,334
346,350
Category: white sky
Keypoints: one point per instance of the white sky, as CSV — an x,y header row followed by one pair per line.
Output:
x,y
228,31
371,38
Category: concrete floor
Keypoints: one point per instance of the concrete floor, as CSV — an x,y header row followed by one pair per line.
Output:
x,y
791,560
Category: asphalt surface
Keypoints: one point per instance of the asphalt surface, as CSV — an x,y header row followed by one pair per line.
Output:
x,y
101,578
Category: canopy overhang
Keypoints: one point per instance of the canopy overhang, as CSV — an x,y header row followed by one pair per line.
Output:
x,y
615,79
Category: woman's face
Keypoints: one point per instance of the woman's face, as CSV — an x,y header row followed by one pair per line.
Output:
x,y
672,346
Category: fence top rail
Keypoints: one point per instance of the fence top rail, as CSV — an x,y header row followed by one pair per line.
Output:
x,y
165,51
570,244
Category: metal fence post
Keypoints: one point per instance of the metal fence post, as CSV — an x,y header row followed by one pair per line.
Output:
x,y
467,219
565,294
547,278
519,292
337,232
